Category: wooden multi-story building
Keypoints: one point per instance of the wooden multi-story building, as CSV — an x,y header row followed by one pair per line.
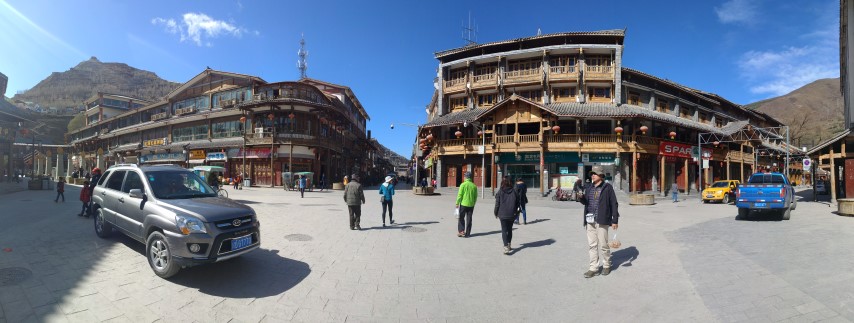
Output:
x,y
242,123
553,106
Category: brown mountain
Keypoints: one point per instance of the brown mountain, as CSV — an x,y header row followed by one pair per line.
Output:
x,y
70,88
812,112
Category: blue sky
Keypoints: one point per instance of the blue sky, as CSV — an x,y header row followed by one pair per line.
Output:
x,y
744,50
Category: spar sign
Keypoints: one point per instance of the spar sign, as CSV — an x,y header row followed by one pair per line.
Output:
x,y
677,149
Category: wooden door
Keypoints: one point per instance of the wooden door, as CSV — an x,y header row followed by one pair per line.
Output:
x,y
451,177
849,178
476,175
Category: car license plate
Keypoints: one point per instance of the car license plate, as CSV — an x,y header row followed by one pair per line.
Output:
x,y
240,243
759,204
710,196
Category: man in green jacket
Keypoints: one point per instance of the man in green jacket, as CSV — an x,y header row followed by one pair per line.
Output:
x,y
354,196
466,198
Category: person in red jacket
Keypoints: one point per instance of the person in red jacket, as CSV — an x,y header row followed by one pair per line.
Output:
x,y
60,190
85,195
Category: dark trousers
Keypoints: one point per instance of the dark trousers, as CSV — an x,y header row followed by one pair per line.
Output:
x,y
355,215
85,210
302,192
388,204
465,219
506,231
58,194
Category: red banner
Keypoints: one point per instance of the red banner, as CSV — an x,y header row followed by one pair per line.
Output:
x,y
675,149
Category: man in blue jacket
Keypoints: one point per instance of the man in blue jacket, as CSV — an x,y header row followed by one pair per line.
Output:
x,y
600,214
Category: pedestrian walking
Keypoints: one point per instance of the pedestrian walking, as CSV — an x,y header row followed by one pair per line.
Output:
x,y
522,191
322,182
387,192
237,182
85,196
674,190
302,179
96,176
507,205
354,197
346,180
600,214
60,190
466,199
213,181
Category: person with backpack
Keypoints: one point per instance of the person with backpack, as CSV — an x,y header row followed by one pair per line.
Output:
x,y
85,196
466,199
522,191
600,214
387,192
507,204
60,190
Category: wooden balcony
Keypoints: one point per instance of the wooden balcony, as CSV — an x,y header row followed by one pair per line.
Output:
x,y
563,73
485,81
560,142
455,85
523,76
599,72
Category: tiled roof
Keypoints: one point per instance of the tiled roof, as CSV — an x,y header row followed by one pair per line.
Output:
x,y
830,141
456,117
609,32
125,148
574,109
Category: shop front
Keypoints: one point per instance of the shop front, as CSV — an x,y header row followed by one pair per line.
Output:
x,y
561,168
197,157
678,160
257,161
219,159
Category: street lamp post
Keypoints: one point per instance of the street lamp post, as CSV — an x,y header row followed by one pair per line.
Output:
x,y
482,157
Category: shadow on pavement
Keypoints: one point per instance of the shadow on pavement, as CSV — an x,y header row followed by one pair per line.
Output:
x,y
485,233
762,216
538,221
534,244
624,257
419,223
246,202
260,273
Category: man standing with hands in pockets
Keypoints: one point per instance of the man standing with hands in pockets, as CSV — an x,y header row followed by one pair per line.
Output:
x,y
600,214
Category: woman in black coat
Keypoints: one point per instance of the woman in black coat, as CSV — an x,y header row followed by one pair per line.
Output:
x,y
522,191
507,203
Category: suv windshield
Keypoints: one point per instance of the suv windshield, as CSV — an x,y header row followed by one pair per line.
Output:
x,y
720,184
178,185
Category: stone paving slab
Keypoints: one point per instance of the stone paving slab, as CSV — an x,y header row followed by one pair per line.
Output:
x,y
679,262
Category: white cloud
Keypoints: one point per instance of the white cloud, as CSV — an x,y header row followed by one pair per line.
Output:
x,y
778,72
737,11
200,28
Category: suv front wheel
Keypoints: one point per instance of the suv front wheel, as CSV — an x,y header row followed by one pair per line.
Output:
x,y
102,228
160,256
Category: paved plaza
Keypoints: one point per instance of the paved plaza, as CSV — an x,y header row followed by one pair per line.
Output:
x,y
679,262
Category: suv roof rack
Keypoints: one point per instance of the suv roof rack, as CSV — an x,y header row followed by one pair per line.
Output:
x,y
164,165
119,165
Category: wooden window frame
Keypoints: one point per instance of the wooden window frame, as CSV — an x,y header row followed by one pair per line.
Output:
x,y
661,105
591,93
634,98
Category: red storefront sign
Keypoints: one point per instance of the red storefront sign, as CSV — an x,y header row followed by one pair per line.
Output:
x,y
680,150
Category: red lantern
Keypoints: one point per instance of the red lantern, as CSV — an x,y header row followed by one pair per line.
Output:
x,y
556,129
430,137
291,116
24,132
480,133
242,119
422,141
716,143
643,129
618,130
270,116
672,134
458,134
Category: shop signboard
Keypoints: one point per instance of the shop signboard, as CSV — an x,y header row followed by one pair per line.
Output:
x,y
680,150
598,158
155,142
250,153
218,156
164,157
197,154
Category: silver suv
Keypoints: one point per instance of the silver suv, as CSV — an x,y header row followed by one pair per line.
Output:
x,y
175,213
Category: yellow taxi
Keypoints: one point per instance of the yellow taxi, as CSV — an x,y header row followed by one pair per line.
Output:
x,y
721,191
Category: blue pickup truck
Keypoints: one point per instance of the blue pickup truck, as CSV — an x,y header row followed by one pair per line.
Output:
x,y
766,192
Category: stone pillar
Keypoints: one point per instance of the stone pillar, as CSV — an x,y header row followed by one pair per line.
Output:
x,y
60,172
69,170
618,67
832,177
38,161
48,164
687,183
100,162
439,177
663,167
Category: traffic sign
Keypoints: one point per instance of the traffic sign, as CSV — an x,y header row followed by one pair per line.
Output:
x,y
807,163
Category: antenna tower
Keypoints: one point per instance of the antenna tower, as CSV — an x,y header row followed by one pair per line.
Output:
x,y
469,33
302,53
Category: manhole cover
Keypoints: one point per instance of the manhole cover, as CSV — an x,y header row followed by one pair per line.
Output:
x,y
14,275
298,237
414,229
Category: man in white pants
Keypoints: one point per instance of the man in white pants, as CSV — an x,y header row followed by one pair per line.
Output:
x,y
600,214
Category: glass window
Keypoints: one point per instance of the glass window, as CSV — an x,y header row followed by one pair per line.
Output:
x,y
178,185
104,178
115,180
132,182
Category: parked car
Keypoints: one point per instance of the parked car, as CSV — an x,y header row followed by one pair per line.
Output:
x,y
178,217
721,191
766,192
